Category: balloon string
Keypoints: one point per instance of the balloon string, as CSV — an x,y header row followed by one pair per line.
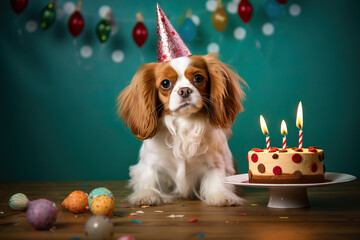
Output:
x,y
78,60
19,31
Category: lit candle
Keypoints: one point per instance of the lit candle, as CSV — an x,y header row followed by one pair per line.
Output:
x,y
265,131
284,132
299,123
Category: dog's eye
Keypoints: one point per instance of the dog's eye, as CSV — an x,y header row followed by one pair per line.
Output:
x,y
198,78
166,84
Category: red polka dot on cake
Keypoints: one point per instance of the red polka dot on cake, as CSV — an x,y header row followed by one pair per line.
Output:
x,y
313,167
247,158
254,157
277,170
296,158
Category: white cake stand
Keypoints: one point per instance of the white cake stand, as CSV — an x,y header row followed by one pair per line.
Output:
x,y
289,195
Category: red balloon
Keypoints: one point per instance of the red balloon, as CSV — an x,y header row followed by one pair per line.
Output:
x,y
18,5
139,34
245,10
281,1
76,23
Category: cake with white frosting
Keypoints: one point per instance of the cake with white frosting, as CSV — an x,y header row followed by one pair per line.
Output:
x,y
290,165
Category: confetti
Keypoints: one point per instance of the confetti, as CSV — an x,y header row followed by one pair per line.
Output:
x,y
141,212
158,211
242,214
1,212
193,220
125,206
202,235
254,204
145,206
133,209
136,221
133,214
283,217
1,191
85,186
183,205
175,216
75,238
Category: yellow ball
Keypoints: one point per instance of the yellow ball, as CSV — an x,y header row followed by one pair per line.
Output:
x,y
103,205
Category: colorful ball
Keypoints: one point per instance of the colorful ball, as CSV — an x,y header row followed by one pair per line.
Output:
x,y
97,192
99,227
76,202
18,201
103,205
41,213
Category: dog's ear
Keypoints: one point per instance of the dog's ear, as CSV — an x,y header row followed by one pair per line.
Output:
x,y
137,103
225,92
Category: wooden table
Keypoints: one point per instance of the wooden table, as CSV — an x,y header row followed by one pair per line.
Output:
x,y
335,214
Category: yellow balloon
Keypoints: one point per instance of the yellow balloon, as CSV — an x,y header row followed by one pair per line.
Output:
x,y
219,19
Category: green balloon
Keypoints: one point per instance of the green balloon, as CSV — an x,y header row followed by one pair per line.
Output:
x,y
103,30
48,16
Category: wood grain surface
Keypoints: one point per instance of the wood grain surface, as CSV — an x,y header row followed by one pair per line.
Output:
x,y
334,214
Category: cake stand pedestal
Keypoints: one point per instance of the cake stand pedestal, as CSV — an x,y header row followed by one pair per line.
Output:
x,y
289,195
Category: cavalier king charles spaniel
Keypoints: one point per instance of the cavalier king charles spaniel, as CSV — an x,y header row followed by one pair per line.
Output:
x,y
182,110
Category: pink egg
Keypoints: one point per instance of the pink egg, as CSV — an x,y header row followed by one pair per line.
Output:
x,y
41,213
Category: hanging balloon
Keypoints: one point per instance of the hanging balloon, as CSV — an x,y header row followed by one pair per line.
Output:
x,y
48,15
76,21
188,29
245,10
103,28
273,9
18,5
281,1
139,32
219,17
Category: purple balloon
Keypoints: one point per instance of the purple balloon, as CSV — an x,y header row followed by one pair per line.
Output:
x,y
41,213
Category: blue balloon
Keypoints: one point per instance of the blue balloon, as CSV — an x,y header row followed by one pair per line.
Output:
x,y
188,30
273,9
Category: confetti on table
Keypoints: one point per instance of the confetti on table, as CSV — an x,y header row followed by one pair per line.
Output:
x,y
242,214
1,212
136,221
158,211
183,205
1,191
175,216
133,214
193,220
145,206
202,235
283,217
254,204
125,206
75,238
133,209
85,186
140,212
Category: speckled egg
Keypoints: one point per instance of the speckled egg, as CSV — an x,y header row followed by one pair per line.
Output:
x,y
18,201
97,192
103,205
99,227
76,202
41,213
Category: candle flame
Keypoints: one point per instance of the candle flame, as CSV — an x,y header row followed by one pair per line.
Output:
x,y
283,128
299,116
263,125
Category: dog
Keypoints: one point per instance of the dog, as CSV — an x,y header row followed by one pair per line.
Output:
x,y
182,110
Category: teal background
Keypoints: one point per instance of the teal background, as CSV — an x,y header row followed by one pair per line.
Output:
x,y
57,110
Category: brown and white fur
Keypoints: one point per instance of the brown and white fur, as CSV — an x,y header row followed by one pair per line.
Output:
x,y
184,121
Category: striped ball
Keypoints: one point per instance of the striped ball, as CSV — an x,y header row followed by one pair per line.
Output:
x,y
18,201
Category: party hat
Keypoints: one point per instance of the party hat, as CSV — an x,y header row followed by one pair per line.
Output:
x,y
169,43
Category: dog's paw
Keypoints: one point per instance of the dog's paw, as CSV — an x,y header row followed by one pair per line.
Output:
x,y
222,200
149,198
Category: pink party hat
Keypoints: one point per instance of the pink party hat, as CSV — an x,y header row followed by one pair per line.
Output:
x,y
169,43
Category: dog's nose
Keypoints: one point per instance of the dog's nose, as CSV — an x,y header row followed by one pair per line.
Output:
x,y
184,92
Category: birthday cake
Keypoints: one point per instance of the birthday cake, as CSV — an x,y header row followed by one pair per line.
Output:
x,y
290,165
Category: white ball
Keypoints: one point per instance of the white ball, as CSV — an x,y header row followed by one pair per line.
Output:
x,y
69,7
31,26
231,7
213,48
103,10
211,5
239,33
86,51
195,19
268,29
118,56
294,10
